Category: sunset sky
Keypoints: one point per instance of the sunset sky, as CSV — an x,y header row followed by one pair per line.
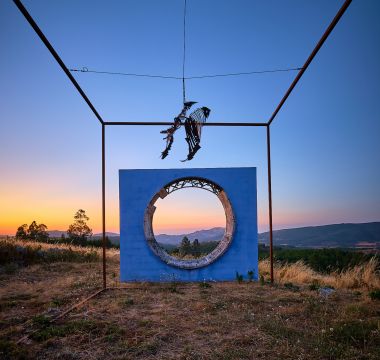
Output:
x,y
325,140
188,210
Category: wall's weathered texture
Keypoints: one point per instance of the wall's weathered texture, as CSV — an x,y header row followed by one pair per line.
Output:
x,y
137,260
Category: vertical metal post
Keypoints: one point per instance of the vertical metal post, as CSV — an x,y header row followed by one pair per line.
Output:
x,y
270,206
104,205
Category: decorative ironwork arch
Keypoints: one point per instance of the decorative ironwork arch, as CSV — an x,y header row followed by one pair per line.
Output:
x,y
193,183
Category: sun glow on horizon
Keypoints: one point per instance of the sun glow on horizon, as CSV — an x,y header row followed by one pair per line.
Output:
x,y
184,211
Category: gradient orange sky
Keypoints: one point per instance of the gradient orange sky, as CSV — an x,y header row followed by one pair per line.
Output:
x,y
183,211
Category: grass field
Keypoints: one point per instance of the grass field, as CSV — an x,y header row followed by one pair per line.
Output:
x,y
184,321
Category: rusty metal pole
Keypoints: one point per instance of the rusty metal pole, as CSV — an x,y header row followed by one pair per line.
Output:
x,y
270,206
57,58
104,205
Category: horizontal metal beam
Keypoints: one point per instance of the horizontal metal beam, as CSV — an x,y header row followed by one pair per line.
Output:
x,y
166,123
41,35
311,56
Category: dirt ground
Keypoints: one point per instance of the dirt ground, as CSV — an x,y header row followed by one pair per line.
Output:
x,y
178,321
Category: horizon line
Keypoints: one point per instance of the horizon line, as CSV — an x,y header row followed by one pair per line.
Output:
x,y
219,227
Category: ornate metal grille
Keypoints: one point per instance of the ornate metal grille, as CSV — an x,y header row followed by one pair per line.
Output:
x,y
193,182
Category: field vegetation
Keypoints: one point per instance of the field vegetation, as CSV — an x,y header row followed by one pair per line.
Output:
x,y
89,242
21,253
293,319
320,260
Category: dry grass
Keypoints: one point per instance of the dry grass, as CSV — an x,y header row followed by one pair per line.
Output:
x,y
358,277
43,246
186,321
20,253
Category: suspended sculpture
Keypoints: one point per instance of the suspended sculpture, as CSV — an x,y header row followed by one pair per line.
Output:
x,y
193,127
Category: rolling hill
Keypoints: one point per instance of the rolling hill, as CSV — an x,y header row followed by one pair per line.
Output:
x,y
335,235
214,234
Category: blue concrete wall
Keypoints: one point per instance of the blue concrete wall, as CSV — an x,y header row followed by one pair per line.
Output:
x,y
139,263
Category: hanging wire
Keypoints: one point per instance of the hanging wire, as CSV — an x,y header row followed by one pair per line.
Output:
x,y
86,70
184,52
184,78
243,73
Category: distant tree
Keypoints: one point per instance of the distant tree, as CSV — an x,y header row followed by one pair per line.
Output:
x,y
42,234
22,232
79,231
63,237
185,247
34,231
196,248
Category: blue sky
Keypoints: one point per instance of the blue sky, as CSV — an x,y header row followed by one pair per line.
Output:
x,y
325,140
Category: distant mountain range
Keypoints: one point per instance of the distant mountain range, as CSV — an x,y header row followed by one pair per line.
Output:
x,y
214,234
56,233
335,235
109,234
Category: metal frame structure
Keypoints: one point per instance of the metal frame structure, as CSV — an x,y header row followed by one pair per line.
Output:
x,y
103,123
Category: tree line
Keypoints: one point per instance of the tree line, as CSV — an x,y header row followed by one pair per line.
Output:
x,y
193,249
78,233
321,260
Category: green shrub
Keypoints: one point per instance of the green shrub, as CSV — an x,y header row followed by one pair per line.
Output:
x,y
320,260
291,286
239,278
374,294
58,301
11,351
128,302
204,285
314,286
48,330
356,333
41,320
251,275
10,269
262,280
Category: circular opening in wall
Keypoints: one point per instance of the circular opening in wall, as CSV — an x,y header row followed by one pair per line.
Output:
x,y
189,223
